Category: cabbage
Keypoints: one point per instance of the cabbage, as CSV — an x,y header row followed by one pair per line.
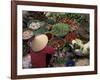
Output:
x,y
60,29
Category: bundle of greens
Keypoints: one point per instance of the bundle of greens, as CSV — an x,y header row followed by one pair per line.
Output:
x,y
60,29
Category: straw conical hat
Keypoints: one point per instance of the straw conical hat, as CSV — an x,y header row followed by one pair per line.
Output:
x,y
39,42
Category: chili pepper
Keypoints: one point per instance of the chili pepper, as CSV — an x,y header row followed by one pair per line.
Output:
x,y
70,36
73,24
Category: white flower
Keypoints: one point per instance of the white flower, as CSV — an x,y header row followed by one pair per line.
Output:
x,y
27,34
77,50
85,48
34,25
77,41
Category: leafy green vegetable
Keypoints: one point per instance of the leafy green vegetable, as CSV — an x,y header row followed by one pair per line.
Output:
x,y
51,21
60,29
60,61
40,31
77,16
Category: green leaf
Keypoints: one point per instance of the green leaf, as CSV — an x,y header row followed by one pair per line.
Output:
x,y
60,29
40,31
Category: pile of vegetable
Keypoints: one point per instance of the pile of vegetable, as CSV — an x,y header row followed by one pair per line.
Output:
x,y
67,32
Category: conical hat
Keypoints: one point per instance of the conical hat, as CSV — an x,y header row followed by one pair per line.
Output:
x,y
39,42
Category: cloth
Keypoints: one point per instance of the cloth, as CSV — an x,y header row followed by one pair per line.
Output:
x,y
38,59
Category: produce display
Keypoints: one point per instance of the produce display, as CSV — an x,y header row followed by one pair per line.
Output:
x,y
68,34
60,29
